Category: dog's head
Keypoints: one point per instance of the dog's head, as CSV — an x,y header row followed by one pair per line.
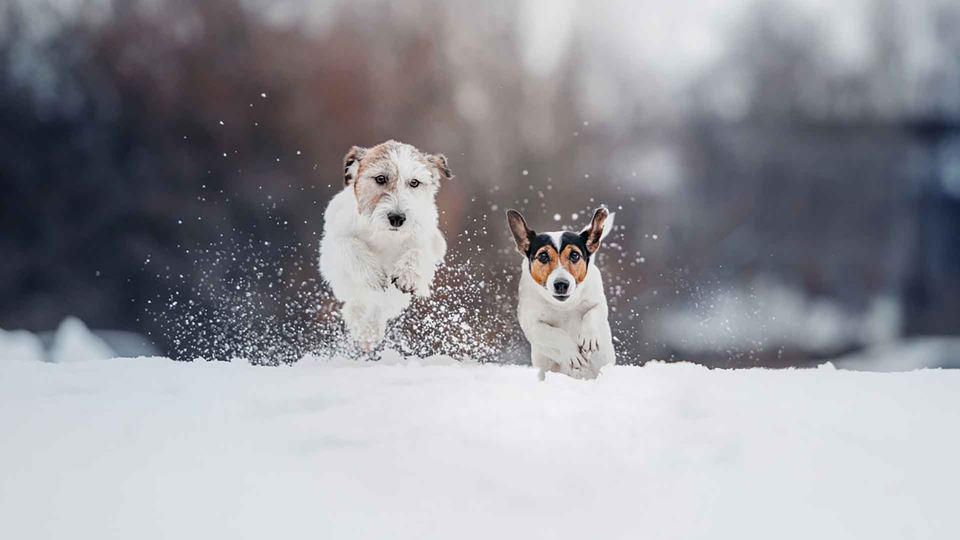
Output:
x,y
558,261
395,184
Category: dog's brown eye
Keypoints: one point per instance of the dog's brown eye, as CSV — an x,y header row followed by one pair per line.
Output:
x,y
574,256
414,183
543,258
381,179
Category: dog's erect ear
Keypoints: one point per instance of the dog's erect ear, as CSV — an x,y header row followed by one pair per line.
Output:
x,y
600,226
521,233
351,162
440,162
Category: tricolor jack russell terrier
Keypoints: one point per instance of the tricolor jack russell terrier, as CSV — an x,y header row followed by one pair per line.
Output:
x,y
562,306
381,243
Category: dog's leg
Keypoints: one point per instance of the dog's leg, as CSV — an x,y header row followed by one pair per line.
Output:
x,y
595,340
553,343
361,320
542,362
413,273
436,251
349,267
439,245
591,330
356,278
605,356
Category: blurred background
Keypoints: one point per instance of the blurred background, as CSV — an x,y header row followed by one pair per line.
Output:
x,y
786,173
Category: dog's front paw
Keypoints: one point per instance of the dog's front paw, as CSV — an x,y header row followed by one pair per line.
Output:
x,y
586,372
573,360
589,341
404,282
406,277
422,287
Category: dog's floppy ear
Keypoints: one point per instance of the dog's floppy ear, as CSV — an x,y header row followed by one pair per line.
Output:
x,y
600,226
521,233
440,162
351,163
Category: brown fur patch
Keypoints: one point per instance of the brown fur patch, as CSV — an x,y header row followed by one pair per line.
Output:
x,y
368,194
596,229
439,161
367,190
541,271
377,155
354,155
577,269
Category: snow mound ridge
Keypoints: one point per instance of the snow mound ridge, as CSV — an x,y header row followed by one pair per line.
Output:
x,y
72,342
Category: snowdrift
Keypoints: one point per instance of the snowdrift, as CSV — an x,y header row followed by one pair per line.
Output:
x,y
151,448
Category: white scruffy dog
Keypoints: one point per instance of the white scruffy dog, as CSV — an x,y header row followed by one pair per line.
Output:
x,y
562,306
381,242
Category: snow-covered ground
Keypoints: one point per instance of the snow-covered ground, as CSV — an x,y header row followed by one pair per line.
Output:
x,y
150,448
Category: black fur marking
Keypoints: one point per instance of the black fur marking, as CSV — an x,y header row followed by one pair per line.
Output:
x,y
578,240
537,241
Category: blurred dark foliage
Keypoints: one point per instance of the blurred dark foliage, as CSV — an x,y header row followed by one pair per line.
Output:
x,y
136,140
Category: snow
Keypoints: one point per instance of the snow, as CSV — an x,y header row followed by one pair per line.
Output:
x,y
906,355
150,448
20,346
74,342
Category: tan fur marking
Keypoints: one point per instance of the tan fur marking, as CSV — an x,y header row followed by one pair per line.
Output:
x,y
353,157
579,268
540,271
367,191
596,229
378,153
439,161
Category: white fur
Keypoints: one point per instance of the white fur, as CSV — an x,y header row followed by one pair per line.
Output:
x,y
366,262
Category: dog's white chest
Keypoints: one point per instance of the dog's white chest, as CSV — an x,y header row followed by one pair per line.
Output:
x,y
388,246
532,307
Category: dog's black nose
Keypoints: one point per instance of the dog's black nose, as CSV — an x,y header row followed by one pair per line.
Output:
x,y
396,220
561,286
